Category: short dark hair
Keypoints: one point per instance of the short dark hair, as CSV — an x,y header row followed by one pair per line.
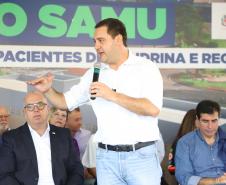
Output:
x,y
77,109
114,27
207,107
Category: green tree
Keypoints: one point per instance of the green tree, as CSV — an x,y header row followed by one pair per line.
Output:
x,y
188,25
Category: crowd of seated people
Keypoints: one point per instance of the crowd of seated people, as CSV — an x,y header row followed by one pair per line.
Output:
x,y
38,152
197,155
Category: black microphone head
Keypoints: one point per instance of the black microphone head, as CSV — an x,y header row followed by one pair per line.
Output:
x,y
96,72
97,65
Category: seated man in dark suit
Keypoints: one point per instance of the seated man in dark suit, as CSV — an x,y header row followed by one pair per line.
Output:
x,y
4,121
38,153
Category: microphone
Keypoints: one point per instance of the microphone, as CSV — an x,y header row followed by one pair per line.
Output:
x,y
96,73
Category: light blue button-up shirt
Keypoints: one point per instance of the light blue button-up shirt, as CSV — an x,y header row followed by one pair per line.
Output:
x,y
195,159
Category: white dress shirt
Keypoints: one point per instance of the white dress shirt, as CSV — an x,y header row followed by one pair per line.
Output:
x,y
43,153
89,157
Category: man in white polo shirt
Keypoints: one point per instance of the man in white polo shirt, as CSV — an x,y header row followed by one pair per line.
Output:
x,y
128,99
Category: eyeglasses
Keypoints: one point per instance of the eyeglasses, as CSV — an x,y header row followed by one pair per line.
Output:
x,y
6,116
40,106
206,122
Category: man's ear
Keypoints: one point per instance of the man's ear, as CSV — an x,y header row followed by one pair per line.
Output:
x,y
24,113
119,39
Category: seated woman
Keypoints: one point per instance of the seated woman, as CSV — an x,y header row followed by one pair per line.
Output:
x,y
58,117
188,124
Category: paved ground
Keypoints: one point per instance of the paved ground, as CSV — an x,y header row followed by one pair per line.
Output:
x,y
171,88
174,90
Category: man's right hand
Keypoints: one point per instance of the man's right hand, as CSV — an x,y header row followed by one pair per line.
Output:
x,y
42,84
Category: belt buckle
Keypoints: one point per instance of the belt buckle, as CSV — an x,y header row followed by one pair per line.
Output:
x,y
134,148
117,148
106,147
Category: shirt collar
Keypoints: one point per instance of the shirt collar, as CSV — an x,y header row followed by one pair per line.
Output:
x,y
128,61
78,132
34,132
201,137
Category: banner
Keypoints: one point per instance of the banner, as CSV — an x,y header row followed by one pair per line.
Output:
x,y
70,23
58,34
85,57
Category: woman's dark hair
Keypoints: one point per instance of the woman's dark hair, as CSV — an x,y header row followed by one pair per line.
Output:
x,y
187,124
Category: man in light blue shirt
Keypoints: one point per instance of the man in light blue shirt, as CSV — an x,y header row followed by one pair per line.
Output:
x,y
197,158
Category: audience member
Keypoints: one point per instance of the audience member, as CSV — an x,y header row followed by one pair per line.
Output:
x,y
222,146
197,160
4,121
38,152
74,123
89,157
223,127
58,117
188,124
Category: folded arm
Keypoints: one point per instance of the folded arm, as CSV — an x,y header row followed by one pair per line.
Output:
x,y
141,106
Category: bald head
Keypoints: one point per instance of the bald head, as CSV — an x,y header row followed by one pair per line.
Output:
x,y
36,110
34,95
3,109
4,119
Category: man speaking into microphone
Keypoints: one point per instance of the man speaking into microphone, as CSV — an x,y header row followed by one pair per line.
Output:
x,y
127,118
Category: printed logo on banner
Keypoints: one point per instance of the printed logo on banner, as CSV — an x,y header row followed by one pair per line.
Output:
x,y
224,20
218,27
62,24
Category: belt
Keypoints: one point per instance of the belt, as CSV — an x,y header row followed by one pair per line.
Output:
x,y
125,148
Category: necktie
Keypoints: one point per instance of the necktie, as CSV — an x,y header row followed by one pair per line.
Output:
x,y
76,146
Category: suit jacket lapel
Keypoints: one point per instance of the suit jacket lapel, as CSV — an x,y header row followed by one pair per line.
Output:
x,y
54,147
27,139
